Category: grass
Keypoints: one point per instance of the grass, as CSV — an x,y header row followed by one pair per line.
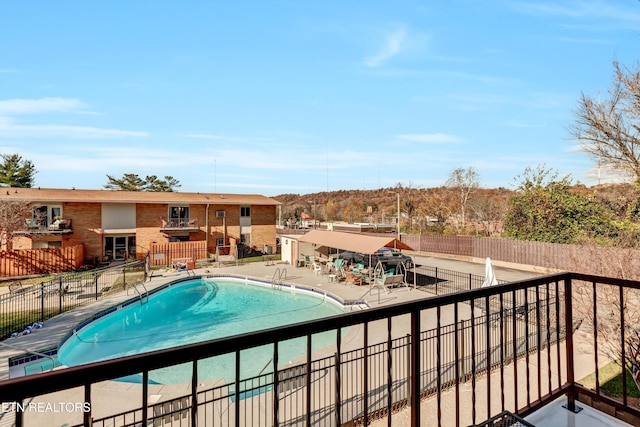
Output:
x,y
610,377
119,284
259,258
16,322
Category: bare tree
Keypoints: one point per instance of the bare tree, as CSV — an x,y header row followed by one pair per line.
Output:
x,y
12,218
489,212
464,182
610,130
410,198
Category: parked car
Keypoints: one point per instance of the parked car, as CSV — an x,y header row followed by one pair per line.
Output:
x,y
387,256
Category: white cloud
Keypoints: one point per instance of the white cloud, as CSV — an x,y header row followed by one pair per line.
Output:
x,y
214,137
432,138
43,105
580,10
10,130
392,45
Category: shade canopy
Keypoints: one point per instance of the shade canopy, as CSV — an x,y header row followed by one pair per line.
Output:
x,y
352,242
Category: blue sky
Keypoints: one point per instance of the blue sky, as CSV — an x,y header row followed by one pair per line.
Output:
x,y
274,97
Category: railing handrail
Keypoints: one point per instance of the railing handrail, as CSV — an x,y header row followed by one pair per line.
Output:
x,y
35,353
86,375
20,388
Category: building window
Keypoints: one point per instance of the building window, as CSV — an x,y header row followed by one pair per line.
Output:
x,y
119,247
219,242
179,238
245,211
178,216
245,239
45,215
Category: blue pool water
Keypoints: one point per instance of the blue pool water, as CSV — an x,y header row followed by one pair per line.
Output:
x,y
200,310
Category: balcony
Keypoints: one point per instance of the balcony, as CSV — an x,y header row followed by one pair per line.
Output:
x,y
179,224
510,351
46,228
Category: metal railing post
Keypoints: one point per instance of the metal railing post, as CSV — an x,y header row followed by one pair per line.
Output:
x,y
409,373
415,368
194,393
338,414
145,397
87,417
276,385
60,295
42,302
568,320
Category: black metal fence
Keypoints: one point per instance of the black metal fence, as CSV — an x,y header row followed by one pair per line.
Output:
x,y
481,352
26,305
441,281
506,332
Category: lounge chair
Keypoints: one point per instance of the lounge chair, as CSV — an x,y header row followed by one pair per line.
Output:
x,y
353,279
388,281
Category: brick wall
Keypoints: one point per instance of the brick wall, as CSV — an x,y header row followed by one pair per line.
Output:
x,y
148,223
86,222
263,229
87,227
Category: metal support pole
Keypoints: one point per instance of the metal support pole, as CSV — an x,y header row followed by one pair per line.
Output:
x,y
415,368
145,397
568,320
194,393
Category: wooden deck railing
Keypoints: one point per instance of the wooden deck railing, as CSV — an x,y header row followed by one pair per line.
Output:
x,y
25,262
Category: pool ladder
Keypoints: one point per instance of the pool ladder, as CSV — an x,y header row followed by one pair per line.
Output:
x,y
278,277
141,295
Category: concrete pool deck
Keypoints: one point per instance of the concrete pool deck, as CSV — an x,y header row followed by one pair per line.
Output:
x,y
121,395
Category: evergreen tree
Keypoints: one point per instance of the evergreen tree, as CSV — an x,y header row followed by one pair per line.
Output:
x,y
16,172
133,182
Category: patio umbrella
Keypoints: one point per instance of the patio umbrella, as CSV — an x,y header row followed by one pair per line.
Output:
x,y
489,275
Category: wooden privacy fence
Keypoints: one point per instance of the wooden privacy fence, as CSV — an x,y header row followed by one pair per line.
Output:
x,y
163,253
25,262
610,261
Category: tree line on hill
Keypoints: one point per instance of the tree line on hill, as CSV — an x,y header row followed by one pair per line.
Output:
x,y
543,207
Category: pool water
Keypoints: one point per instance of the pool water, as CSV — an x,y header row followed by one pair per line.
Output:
x,y
195,311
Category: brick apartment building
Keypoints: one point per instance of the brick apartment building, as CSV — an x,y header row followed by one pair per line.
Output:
x,y
115,225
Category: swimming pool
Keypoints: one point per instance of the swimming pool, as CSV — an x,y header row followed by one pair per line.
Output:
x,y
198,310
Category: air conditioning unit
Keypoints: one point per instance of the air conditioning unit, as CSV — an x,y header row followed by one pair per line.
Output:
x,y
219,214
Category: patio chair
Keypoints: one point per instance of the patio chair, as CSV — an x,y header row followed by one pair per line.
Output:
x,y
307,261
32,224
317,269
